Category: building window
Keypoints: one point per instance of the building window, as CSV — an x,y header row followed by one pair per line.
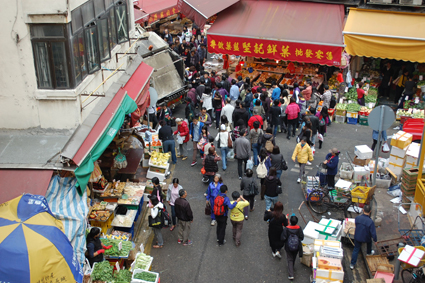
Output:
x,y
92,51
112,29
102,26
122,23
80,69
51,56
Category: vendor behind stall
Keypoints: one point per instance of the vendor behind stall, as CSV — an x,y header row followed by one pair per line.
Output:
x,y
95,248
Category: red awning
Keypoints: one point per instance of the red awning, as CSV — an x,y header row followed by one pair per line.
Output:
x,y
280,30
138,85
201,10
140,16
14,183
158,9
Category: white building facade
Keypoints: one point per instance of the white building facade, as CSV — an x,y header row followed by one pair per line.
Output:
x,y
54,53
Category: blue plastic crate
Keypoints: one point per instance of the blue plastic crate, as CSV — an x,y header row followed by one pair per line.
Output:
x,y
352,121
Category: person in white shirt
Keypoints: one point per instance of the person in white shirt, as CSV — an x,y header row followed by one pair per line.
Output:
x,y
222,142
228,111
156,206
152,116
206,100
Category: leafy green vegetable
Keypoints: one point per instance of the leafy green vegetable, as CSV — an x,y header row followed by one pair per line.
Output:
x,y
353,107
373,91
421,83
370,98
124,276
341,106
126,247
102,271
142,261
351,94
146,276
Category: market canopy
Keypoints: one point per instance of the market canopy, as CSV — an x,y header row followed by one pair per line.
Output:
x,y
158,9
140,16
201,10
385,34
15,182
280,30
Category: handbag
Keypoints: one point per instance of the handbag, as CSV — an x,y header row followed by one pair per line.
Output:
x,y
219,140
284,165
229,141
158,221
208,209
279,190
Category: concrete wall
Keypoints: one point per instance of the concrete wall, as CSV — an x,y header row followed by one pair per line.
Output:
x,y
22,104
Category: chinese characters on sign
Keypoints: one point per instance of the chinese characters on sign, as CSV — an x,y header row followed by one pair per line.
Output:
x,y
162,14
276,50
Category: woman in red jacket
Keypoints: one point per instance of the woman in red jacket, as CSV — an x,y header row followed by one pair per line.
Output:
x,y
292,111
183,131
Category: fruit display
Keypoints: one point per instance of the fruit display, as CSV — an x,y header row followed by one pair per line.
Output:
x,y
116,237
267,78
159,159
114,191
333,82
100,215
155,141
245,73
121,235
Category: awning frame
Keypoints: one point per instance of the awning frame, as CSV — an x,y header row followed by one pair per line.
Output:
x,y
384,36
195,9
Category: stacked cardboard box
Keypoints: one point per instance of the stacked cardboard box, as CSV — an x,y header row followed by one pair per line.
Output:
x,y
325,237
408,183
400,143
361,160
412,155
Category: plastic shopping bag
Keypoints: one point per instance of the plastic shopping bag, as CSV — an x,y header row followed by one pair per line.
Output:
x,y
180,139
250,164
231,154
385,148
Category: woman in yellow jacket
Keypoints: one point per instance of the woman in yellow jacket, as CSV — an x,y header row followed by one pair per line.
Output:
x,y
303,153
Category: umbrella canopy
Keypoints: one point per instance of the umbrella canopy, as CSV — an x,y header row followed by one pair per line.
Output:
x,y
33,245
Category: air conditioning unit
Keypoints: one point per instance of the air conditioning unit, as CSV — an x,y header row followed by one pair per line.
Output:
x,y
380,1
411,2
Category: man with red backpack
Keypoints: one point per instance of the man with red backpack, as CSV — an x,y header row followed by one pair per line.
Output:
x,y
221,207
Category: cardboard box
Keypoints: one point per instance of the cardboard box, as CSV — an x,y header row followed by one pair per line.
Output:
x,y
308,251
331,252
411,255
329,275
336,236
413,150
363,152
397,160
401,139
400,152
329,263
348,227
396,165
327,243
360,162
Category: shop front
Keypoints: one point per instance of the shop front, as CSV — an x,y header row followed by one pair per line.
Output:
x,y
286,42
374,38
154,10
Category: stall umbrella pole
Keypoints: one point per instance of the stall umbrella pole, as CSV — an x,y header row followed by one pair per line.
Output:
x,y
378,148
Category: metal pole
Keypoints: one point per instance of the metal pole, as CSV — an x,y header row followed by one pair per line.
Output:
x,y
378,146
397,264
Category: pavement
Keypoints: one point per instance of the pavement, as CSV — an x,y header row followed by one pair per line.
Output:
x,y
205,261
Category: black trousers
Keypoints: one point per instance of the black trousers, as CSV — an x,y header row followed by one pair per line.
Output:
x,y
331,181
240,171
251,200
221,228
292,123
290,258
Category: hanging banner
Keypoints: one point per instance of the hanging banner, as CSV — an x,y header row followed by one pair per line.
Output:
x,y
276,50
162,14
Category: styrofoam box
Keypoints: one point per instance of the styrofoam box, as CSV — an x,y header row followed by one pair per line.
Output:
x,y
359,172
397,160
363,152
399,152
345,174
310,233
413,150
336,236
395,169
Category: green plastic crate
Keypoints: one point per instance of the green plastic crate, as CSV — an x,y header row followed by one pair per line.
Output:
x,y
363,121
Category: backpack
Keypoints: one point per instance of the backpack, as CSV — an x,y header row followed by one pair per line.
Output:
x,y
253,189
269,145
293,242
262,169
219,206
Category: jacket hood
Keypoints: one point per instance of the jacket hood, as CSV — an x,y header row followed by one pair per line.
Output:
x,y
271,178
267,135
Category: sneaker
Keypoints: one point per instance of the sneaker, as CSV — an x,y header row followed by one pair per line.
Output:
x,y
184,158
308,163
213,222
298,180
291,277
188,243
193,163
351,266
179,241
240,178
372,252
273,254
246,217
278,255
205,195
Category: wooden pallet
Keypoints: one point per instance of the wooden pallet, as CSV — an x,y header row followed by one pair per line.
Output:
x,y
374,261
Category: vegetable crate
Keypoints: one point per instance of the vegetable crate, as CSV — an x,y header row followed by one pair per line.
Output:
x,y
341,112
149,273
340,119
404,119
352,115
362,194
363,120
352,121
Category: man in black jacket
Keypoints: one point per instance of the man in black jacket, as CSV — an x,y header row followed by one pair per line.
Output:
x,y
240,113
185,216
165,134
314,125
